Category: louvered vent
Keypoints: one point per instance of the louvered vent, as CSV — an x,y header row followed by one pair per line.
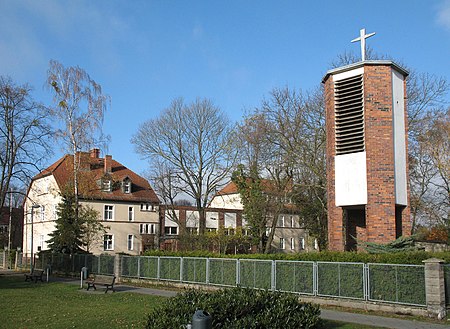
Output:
x,y
349,115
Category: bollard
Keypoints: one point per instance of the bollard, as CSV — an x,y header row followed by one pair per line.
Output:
x,y
201,320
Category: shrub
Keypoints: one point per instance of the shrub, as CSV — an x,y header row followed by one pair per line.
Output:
x,y
236,308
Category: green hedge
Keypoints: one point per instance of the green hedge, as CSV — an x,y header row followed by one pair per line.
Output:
x,y
415,257
236,308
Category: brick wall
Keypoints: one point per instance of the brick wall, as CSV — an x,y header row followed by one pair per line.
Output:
x,y
380,218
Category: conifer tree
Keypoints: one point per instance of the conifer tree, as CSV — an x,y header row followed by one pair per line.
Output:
x,y
66,238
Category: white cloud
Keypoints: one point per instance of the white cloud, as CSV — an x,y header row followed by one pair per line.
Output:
x,y
443,14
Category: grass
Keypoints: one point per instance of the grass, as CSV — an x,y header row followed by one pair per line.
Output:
x,y
60,305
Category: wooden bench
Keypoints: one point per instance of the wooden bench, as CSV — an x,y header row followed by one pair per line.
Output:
x,y
101,280
34,276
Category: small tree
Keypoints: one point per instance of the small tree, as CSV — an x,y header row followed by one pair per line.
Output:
x,y
254,202
66,238
93,229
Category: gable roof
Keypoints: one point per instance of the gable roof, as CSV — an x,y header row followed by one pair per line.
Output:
x,y
93,170
267,185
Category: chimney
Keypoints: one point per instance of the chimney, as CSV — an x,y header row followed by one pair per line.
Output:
x,y
108,164
95,153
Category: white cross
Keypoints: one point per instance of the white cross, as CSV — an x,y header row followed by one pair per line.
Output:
x,y
362,37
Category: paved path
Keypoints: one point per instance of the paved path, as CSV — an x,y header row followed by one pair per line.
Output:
x,y
373,320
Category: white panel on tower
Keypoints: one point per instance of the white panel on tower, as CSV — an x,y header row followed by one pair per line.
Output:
x,y
399,138
350,179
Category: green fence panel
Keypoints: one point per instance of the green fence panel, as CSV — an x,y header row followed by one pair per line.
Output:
x,y
403,284
149,267
130,266
222,272
194,270
292,276
256,273
106,265
170,268
340,279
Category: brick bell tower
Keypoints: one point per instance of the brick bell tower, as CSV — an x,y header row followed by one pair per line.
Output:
x,y
367,156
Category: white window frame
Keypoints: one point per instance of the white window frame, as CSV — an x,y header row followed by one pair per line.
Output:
x,y
173,230
282,243
108,244
106,185
130,213
302,243
282,221
130,242
127,186
292,221
42,210
292,244
110,211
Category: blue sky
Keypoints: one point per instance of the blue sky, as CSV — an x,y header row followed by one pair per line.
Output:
x,y
146,53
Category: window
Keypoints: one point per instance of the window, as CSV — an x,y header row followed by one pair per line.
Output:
x,y
171,230
130,214
109,212
42,213
281,221
130,242
292,244
302,243
282,243
41,242
213,230
108,242
292,221
147,228
146,207
106,185
127,186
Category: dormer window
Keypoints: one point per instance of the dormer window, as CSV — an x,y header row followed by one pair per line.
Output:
x,y
126,184
106,185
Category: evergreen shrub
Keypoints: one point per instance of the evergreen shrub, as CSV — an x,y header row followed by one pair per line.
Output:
x,y
236,308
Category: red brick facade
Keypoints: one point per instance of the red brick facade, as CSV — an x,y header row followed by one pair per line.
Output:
x,y
379,222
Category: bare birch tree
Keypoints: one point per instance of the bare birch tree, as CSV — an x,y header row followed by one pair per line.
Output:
x,y
79,104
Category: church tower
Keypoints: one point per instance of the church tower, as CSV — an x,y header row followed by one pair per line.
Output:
x,y
367,156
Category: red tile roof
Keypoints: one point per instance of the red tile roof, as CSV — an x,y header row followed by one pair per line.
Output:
x,y
267,185
92,170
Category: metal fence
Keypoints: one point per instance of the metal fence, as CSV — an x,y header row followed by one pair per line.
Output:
x,y
399,284
390,283
102,264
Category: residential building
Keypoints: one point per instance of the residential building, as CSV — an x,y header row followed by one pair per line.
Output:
x,y
289,234
127,205
175,218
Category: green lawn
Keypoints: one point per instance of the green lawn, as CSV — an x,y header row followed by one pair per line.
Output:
x,y
60,305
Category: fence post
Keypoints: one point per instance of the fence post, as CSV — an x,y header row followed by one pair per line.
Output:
x,y
207,270
238,272
435,288
273,276
117,267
